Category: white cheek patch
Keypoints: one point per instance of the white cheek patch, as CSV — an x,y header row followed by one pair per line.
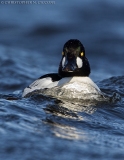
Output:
x,y
63,62
79,62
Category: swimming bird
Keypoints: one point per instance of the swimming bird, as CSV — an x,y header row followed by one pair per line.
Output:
x,y
73,72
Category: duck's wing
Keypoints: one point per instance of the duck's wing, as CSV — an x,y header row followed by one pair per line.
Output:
x,y
45,81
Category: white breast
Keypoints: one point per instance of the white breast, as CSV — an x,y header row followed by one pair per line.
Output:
x,y
79,84
69,87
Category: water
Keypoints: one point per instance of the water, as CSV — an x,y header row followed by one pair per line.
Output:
x,y
31,41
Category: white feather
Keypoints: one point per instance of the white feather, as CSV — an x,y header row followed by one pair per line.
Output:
x,y
78,83
63,61
40,84
79,62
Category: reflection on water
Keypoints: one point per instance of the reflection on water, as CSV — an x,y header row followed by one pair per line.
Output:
x,y
68,132
69,119
77,106
62,116
31,42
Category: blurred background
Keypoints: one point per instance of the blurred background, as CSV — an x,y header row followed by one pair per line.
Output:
x,y
31,42
32,37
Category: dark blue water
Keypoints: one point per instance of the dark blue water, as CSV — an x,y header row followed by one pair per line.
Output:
x,y
31,41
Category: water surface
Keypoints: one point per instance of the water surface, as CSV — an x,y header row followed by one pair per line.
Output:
x,y
31,42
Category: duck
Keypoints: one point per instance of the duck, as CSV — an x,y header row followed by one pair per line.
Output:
x,y
73,73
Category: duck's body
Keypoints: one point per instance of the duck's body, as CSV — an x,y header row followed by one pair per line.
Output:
x,y
46,81
79,84
73,72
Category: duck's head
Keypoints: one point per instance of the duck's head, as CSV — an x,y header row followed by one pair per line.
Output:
x,y
74,62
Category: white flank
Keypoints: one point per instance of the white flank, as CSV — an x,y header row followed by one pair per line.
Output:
x,y
40,84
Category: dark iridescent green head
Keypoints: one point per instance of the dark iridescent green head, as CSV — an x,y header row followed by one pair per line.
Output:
x,y
74,62
75,47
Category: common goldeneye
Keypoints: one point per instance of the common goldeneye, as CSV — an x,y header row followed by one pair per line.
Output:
x,y
72,76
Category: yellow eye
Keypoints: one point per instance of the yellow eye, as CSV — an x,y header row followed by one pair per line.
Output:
x,y
63,53
82,53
